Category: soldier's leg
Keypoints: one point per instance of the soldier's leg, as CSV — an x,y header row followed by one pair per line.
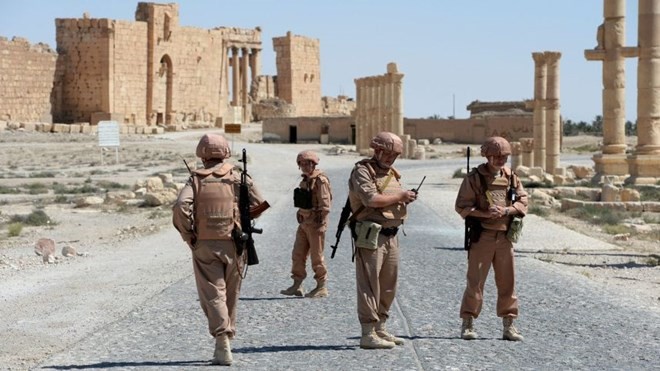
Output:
x,y
233,282
388,275
367,269
388,283
299,254
316,242
504,267
211,287
479,262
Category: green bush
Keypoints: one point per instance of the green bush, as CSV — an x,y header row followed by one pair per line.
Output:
x,y
35,218
649,193
14,229
8,190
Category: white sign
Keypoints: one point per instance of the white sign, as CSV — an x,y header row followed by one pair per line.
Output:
x,y
108,132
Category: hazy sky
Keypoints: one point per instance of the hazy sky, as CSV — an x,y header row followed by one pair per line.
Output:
x,y
467,49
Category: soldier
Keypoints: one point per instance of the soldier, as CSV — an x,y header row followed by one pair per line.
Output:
x,y
205,214
378,203
313,198
493,194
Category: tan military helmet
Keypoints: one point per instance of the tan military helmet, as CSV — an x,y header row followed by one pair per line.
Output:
x,y
387,141
307,155
496,146
213,146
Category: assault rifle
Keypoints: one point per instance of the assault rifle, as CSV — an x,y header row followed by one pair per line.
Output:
x,y
343,220
243,237
473,226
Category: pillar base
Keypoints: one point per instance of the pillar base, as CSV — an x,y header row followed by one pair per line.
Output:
x,y
610,164
644,169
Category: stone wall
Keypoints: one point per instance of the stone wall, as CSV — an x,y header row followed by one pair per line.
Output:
x,y
309,129
298,61
26,80
130,68
340,106
470,130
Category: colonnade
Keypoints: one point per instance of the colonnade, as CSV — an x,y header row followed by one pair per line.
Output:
x,y
547,116
379,106
245,67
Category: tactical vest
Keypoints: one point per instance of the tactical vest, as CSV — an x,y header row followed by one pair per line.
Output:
x,y
493,193
215,202
391,215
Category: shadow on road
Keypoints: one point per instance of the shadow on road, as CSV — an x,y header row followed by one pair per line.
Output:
x,y
129,364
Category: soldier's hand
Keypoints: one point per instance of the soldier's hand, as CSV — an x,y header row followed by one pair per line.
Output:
x,y
496,211
408,196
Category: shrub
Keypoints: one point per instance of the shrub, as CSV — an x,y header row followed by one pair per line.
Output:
x,y
36,188
35,218
649,193
598,216
14,229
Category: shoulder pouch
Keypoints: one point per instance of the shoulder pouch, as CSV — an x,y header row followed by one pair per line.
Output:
x,y
515,229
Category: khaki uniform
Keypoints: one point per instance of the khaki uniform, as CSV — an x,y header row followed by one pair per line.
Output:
x,y
312,225
376,270
493,248
216,265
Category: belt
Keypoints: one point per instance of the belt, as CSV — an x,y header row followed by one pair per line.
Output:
x,y
389,232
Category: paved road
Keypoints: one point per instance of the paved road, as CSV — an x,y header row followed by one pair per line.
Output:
x,y
568,321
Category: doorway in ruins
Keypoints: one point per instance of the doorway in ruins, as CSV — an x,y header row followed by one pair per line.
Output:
x,y
293,134
162,96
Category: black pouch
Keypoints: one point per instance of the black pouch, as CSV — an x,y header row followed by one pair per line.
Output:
x,y
302,198
475,228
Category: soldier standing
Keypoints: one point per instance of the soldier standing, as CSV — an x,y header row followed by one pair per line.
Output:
x,y
378,203
486,194
313,198
205,214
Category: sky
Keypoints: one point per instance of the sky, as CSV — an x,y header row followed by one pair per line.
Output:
x,y
451,52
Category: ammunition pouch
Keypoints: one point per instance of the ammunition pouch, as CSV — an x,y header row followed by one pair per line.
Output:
x,y
475,229
389,232
302,198
367,234
515,229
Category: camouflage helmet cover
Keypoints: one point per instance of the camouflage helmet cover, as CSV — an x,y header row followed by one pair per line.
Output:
x,y
213,146
495,146
307,155
387,141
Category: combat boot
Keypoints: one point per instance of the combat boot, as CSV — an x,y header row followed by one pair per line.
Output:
x,y
510,332
382,333
295,290
321,291
222,355
467,329
370,340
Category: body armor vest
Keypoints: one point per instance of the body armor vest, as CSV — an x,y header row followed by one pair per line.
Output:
x,y
216,204
388,216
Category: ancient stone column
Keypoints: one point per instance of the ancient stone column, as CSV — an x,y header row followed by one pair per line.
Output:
x,y
540,84
611,51
527,148
552,113
644,164
234,77
516,155
255,63
359,114
396,99
245,58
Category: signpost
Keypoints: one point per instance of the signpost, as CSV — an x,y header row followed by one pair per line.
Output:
x,y
232,129
108,133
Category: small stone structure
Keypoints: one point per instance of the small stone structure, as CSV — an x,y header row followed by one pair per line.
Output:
x,y
379,106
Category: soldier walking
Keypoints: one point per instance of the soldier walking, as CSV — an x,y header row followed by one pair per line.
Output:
x,y
493,195
205,214
313,198
378,203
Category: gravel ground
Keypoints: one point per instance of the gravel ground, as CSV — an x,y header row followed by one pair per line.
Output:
x,y
128,301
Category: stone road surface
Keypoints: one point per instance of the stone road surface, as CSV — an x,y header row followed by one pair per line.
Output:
x,y
568,321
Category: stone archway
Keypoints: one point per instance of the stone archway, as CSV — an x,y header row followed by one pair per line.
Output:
x,y
162,97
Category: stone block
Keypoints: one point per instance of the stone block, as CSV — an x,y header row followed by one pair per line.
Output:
x,y
74,128
537,172
629,195
3,125
29,127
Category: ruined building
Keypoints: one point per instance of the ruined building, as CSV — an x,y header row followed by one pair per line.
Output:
x,y
152,71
